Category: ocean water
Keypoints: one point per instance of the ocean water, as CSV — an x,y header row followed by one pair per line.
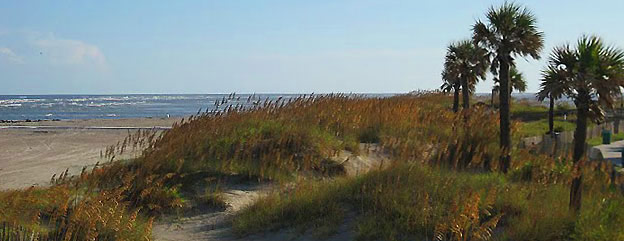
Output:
x,y
48,107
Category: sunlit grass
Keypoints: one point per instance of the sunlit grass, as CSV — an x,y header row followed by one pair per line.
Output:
x,y
444,182
540,127
415,202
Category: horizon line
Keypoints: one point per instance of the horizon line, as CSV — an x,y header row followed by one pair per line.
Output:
x,y
245,93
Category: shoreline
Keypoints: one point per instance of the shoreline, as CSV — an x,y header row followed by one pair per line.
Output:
x,y
143,122
22,127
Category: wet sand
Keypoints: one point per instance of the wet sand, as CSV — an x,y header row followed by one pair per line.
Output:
x,y
29,157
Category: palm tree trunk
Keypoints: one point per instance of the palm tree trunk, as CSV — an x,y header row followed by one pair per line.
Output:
x,y
580,136
505,118
551,125
456,98
551,116
465,93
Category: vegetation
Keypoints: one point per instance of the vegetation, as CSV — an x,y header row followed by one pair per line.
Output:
x,y
404,202
517,81
451,83
418,202
272,141
598,140
593,72
442,183
68,211
541,127
468,63
510,31
449,153
552,88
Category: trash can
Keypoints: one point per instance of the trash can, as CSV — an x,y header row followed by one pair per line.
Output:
x,y
606,136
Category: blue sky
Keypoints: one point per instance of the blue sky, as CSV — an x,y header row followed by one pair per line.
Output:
x,y
107,47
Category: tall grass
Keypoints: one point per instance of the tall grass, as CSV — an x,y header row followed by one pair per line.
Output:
x,y
277,140
439,188
417,202
67,212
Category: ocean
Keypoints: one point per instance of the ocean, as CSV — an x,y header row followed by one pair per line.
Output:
x,y
65,107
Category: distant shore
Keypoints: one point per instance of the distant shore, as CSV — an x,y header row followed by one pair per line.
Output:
x,y
32,154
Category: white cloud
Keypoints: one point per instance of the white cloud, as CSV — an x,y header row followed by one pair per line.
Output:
x,y
70,52
10,55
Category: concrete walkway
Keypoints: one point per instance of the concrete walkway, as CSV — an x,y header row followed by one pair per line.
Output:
x,y
611,152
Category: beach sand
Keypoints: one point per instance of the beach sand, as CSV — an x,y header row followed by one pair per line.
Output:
x,y
136,122
29,157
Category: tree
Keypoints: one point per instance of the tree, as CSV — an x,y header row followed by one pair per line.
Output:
x,y
593,74
468,63
451,83
518,83
510,31
553,86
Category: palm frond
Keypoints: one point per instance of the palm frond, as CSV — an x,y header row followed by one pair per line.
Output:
x,y
592,74
511,29
465,61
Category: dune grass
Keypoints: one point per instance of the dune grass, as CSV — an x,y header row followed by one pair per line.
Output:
x,y
444,176
416,202
404,201
64,212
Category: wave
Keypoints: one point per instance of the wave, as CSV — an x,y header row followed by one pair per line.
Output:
x,y
20,101
10,105
114,106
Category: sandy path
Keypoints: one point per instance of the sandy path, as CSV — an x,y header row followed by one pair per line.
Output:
x,y
207,224
213,225
370,157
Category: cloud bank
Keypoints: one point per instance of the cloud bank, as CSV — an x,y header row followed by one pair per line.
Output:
x,y
8,54
36,48
62,51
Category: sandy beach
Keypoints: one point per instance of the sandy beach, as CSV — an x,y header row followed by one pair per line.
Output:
x,y
29,157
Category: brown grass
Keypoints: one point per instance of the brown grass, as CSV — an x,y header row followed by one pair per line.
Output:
x,y
294,139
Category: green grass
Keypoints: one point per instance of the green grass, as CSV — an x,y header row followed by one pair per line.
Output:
x,y
598,140
445,183
540,127
414,202
519,108
403,201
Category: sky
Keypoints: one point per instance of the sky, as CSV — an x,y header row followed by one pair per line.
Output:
x,y
268,46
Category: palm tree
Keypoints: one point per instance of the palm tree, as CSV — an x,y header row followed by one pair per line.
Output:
x,y
469,63
516,79
510,31
553,86
518,83
451,83
594,73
